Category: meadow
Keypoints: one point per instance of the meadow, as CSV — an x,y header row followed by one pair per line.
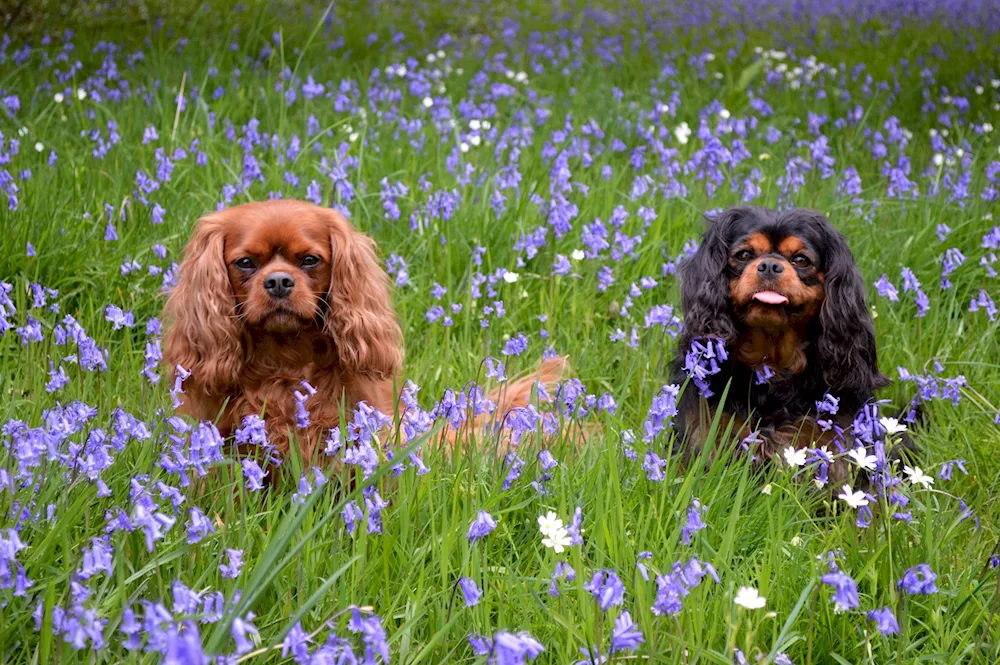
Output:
x,y
533,175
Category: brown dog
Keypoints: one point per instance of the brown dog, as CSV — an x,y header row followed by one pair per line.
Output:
x,y
275,293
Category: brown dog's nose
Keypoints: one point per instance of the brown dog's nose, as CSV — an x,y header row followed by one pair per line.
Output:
x,y
770,268
279,284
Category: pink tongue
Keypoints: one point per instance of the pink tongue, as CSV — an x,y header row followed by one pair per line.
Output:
x,y
770,297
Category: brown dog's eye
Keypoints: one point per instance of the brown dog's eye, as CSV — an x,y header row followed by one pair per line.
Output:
x,y
310,261
801,261
743,255
245,263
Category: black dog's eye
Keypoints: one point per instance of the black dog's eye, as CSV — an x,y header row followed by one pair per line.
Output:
x,y
743,255
801,261
245,263
310,261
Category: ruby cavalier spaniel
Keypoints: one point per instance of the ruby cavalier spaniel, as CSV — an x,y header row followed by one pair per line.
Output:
x,y
272,294
275,293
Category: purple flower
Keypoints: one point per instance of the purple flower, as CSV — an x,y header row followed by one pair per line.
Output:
x,y
240,629
31,332
372,635
845,589
96,559
674,586
481,646
625,634
885,621
516,345
118,318
694,521
470,591
661,413
511,649
514,465
946,467
919,580
235,565
481,526
198,526
575,537
562,571
57,379
607,588
702,362
984,302
253,474
654,466
296,643
886,289
951,260
301,413
353,515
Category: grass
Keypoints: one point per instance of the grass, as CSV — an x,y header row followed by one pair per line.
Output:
x,y
300,565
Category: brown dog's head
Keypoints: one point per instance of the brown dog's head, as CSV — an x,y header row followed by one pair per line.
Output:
x,y
279,267
780,271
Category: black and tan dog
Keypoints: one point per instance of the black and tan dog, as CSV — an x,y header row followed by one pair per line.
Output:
x,y
782,292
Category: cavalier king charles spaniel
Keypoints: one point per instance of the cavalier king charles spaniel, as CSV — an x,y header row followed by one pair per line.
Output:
x,y
778,297
275,293
272,294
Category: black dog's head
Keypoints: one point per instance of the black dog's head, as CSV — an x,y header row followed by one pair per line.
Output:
x,y
762,274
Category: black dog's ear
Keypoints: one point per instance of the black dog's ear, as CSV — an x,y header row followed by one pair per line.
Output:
x,y
705,284
847,340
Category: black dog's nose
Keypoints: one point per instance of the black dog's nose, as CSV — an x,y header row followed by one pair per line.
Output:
x,y
770,268
279,284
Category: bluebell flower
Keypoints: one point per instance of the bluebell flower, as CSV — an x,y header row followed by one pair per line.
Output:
x,y
661,412
352,515
470,592
575,534
296,644
198,526
301,397
511,649
232,569
946,467
241,629
654,466
607,588
845,594
253,474
673,587
919,580
625,634
885,621
514,465
694,522
481,645
886,289
702,361
372,636
562,571
481,526
516,345
494,369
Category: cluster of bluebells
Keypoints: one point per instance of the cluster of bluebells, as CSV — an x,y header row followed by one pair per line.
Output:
x,y
703,360
507,148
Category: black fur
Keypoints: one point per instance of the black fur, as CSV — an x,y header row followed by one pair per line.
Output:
x,y
840,351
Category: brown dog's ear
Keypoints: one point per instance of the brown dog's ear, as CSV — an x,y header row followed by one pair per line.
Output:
x,y
359,314
204,334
